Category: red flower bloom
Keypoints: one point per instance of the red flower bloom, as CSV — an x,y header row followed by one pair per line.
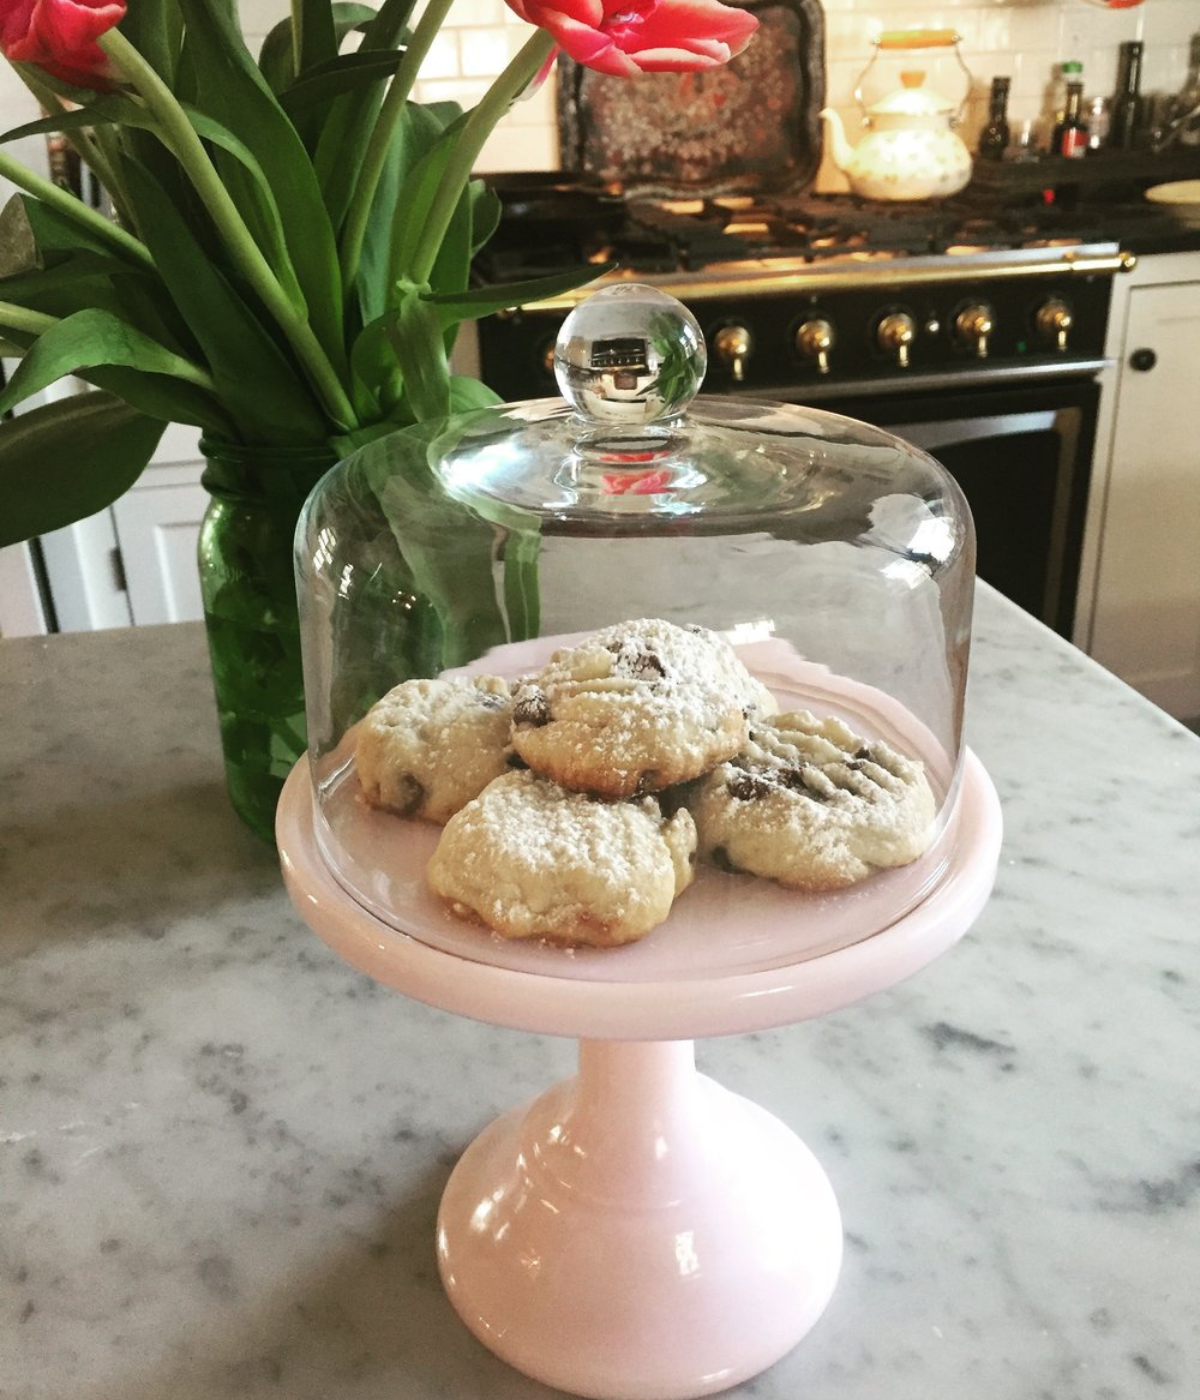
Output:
x,y
60,36
628,37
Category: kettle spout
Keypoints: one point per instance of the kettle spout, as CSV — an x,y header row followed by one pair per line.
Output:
x,y
840,149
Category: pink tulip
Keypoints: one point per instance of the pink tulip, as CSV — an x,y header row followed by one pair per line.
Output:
x,y
629,37
60,36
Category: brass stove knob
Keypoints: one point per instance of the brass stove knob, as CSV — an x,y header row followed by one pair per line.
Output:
x,y
814,341
733,346
894,334
1054,321
973,326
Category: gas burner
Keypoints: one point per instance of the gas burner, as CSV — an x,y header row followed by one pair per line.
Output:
x,y
552,224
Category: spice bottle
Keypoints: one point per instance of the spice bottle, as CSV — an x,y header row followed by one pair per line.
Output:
x,y
993,140
1069,72
1127,102
1189,98
1071,134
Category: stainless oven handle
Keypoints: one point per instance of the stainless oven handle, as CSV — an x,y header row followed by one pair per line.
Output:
x,y
1041,372
931,436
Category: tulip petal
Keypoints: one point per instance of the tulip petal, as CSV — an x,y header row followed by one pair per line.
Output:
x,y
677,60
60,37
672,22
628,37
587,45
589,12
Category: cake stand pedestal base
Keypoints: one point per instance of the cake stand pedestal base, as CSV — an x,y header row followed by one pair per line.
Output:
x,y
638,1232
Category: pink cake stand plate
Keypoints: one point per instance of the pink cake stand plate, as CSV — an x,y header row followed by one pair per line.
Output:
x,y
638,1232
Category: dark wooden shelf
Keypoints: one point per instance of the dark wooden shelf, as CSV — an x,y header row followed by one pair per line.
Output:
x,y
1103,168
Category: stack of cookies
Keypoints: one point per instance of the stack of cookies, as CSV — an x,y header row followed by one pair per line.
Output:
x,y
576,801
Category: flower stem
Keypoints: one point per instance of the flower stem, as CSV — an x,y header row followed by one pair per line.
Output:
x,y
89,146
478,127
20,318
297,37
74,209
375,156
180,137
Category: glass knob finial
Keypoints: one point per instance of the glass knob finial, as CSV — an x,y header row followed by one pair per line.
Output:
x,y
630,355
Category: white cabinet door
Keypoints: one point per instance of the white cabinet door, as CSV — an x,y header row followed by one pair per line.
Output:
x,y
1147,616
22,613
158,524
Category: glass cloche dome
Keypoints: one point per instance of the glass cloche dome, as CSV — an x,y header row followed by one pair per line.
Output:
x,y
560,567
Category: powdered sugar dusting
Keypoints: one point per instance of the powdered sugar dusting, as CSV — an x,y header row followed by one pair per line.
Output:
x,y
635,707
534,860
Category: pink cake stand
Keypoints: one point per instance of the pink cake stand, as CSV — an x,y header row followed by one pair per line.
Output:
x,y
638,1232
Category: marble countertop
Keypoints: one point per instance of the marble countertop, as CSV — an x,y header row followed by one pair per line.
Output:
x,y
221,1150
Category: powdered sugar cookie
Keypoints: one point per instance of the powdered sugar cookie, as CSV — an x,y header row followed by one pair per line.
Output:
x,y
810,804
532,860
429,746
635,708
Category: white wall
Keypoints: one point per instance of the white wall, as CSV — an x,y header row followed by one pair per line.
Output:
x,y
1022,38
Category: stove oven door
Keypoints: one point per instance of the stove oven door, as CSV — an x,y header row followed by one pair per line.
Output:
x,y
1022,455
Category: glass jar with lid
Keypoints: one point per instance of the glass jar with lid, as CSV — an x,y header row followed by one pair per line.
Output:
x,y
834,561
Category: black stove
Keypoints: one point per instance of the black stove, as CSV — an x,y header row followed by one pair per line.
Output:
x,y
690,234
976,330
805,295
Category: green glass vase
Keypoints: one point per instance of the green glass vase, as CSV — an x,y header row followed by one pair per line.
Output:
x,y
248,586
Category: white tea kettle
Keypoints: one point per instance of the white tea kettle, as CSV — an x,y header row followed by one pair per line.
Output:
x,y
910,150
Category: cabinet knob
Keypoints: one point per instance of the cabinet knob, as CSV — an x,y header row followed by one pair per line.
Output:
x,y
1143,360
973,326
895,333
733,345
1054,320
814,341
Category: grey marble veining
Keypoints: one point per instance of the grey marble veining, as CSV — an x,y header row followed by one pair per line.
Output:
x,y
221,1151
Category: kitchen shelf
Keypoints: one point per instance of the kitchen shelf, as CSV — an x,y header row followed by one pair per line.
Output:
x,y
1105,168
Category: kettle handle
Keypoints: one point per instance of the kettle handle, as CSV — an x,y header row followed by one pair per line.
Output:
x,y
897,40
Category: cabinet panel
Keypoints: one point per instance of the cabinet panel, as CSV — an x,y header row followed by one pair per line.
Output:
x,y
157,528
1147,621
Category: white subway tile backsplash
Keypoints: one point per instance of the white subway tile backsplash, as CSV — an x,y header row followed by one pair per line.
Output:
x,y
467,92
465,14
485,52
1025,39
443,59
519,148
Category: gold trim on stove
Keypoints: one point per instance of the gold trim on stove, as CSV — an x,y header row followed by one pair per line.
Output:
x,y
802,277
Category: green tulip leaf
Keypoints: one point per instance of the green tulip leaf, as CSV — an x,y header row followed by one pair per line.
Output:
x,y
467,394
416,340
483,301
276,58
347,73
252,193
339,147
68,459
387,28
255,382
155,29
89,340
315,38
486,210
418,130
416,198
231,88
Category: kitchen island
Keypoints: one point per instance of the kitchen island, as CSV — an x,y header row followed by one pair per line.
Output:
x,y
222,1150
